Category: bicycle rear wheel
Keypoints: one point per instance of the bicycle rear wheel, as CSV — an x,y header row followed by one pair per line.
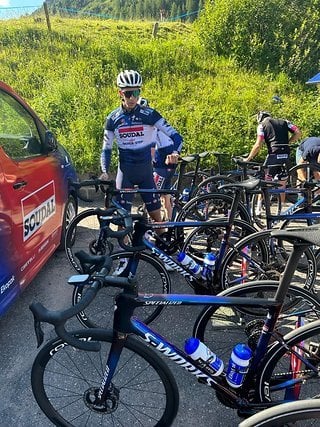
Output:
x,y
284,376
304,413
221,327
260,257
152,278
65,383
210,206
212,185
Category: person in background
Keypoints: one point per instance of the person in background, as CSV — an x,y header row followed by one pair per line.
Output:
x,y
275,134
308,152
165,160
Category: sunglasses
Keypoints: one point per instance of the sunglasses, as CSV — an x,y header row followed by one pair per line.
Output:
x,y
130,93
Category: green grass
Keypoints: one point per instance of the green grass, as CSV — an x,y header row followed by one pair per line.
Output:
x,y
68,77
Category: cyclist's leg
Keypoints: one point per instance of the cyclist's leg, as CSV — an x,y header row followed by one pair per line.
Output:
x,y
162,178
152,278
65,382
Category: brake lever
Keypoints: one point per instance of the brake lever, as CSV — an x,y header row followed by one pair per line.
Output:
x,y
38,331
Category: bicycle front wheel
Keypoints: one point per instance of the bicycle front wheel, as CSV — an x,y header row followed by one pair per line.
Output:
x,y
84,233
151,276
300,413
284,376
66,381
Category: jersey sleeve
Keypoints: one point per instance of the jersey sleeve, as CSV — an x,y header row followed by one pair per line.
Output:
x,y
168,130
108,137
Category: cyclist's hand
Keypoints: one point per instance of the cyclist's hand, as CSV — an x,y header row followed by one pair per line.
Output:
x,y
104,176
172,159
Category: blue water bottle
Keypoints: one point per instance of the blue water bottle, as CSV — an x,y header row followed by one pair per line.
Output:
x,y
187,261
185,194
200,352
238,365
209,262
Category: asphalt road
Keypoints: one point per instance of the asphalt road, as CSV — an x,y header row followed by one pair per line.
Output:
x,y
198,403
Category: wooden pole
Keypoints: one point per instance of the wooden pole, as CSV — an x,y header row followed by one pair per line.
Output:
x,y
46,11
155,30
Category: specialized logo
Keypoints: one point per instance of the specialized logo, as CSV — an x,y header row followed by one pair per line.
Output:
x,y
131,131
43,205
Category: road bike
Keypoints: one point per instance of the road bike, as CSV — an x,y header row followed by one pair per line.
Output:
x,y
147,254
100,377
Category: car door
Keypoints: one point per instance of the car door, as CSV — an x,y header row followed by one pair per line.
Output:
x,y
30,188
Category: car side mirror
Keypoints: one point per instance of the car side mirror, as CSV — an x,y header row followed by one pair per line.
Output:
x,y
50,142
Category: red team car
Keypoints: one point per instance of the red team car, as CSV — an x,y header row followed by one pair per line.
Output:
x,y
37,200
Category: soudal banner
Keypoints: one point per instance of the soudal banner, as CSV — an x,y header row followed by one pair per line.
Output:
x,y
43,203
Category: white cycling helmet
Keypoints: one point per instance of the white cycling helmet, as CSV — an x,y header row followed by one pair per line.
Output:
x,y
262,115
129,78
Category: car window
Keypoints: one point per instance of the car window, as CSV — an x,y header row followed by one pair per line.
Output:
x,y
19,136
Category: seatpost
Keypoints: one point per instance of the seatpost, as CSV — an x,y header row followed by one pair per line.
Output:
x,y
292,263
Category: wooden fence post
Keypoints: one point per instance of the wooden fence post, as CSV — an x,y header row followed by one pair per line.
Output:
x,y
46,11
155,29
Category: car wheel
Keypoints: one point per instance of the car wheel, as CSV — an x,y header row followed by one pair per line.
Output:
x,y
70,211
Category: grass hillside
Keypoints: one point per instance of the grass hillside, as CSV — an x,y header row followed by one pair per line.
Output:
x,y
68,77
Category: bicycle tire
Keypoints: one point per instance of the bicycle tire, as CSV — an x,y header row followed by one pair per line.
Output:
x,y
256,257
309,168
65,381
221,327
210,206
275,368
152,278
212,184
286,414
208,239
83,234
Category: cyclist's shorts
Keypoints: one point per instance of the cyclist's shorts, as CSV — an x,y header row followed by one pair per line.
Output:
x,y
162,178
140,175
277,167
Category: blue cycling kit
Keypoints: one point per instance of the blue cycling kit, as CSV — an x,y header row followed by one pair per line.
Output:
x,y
309,149
135,132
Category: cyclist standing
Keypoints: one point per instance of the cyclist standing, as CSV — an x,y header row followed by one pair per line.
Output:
x,y
165,160
275,134
134,129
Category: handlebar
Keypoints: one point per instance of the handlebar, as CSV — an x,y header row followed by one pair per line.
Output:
x,y
58,318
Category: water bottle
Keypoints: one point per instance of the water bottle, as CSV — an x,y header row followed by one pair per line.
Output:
x,y
238,365
208,266
186,260
200,352
185,194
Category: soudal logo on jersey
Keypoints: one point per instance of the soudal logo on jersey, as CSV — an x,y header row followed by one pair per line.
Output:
x,y
37,208
130,131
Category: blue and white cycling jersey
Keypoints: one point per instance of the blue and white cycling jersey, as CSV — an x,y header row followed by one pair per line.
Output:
x,y
135,133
